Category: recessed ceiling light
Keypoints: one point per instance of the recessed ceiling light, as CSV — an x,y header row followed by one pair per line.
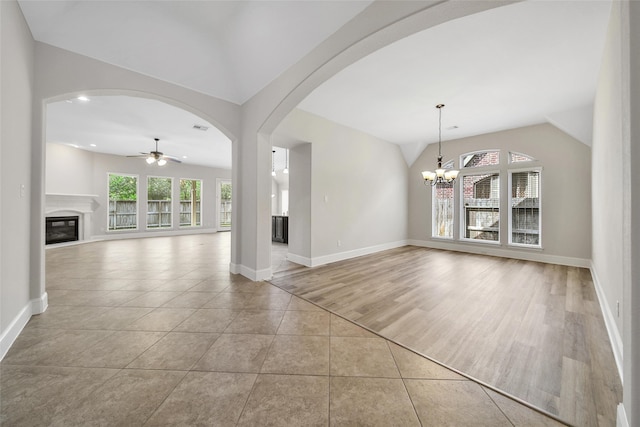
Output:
x,y
184,157
93,145
73,145
83,98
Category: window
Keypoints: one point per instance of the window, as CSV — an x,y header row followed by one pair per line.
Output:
x,y
224,189
525,208
159,202
442,210
190,201
479,213
480,158
123,202
481,199
519,158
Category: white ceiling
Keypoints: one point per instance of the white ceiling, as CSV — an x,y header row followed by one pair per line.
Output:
x,y
226,49
513,66
516,65
124,125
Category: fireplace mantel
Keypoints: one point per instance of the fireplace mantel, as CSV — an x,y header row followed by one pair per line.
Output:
x,y
82,205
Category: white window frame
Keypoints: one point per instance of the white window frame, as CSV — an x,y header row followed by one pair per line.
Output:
x,y
124,230
473,168
517,153
434,224
510,209
183,227
172,205
219,182
480,170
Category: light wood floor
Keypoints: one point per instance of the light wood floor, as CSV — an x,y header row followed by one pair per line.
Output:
x,y
156,331
533,330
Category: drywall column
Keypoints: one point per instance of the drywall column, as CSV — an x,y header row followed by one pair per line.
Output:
x,y
252,165
16,84
631,378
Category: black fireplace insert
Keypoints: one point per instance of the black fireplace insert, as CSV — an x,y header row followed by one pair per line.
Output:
x,y
61,229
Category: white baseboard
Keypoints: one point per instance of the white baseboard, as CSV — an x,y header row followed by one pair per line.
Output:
x,y
621,419
515,253
609,322
341,256
9,336
249,273
39,305
299,259
234,268
117,235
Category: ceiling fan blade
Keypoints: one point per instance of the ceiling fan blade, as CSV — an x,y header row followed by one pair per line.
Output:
x,y
158,154
171,158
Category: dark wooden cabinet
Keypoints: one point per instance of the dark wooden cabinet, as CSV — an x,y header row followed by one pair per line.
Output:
x,y
280,229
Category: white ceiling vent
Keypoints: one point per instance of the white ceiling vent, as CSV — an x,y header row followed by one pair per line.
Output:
x,y
200,127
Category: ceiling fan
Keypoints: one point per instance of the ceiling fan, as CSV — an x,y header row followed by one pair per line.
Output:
x,y
157,156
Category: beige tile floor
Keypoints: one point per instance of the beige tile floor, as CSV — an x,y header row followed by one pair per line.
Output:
x,y
157,332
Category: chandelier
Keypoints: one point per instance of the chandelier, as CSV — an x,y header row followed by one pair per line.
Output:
x,y
440,176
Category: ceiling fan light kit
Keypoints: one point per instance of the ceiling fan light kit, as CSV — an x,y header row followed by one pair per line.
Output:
x,y
156,156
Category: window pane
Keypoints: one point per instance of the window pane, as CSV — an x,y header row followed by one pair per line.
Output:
x,y
225,205
123,202
525,208
480,158
519,157
158,202
190,201
481,195
442,222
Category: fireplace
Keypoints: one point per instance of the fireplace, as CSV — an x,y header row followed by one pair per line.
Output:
x,y
61,229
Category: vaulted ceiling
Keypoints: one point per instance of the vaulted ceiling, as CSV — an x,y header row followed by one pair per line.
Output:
x,y
520,64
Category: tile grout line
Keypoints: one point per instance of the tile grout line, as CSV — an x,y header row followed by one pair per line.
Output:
x,y
464,375
497,406
404,384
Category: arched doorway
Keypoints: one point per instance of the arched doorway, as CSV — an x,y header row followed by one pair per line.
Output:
x,y
79,178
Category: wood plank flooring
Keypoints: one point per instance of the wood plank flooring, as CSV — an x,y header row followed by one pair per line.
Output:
x,y
530,329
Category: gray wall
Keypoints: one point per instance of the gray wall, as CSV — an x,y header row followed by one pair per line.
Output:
x,y
275,200
616,198
16,89
358,189
300,201
69,170
608,175
66,175
566,192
